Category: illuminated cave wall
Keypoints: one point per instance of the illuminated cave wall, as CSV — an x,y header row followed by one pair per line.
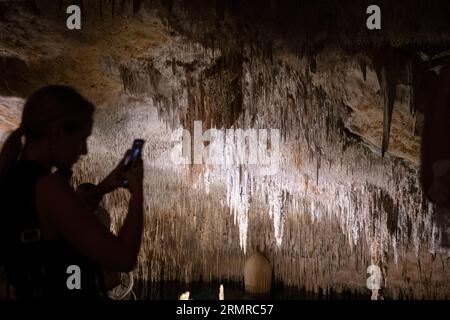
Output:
x,y
334,206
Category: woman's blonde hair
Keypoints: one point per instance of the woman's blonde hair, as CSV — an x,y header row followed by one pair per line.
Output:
x,y
47,106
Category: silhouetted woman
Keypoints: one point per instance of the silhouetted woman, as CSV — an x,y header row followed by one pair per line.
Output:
x,y
48,232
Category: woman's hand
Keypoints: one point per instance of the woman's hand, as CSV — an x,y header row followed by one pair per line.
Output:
x,y
135,175
115,179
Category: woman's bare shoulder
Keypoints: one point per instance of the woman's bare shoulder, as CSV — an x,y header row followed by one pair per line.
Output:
x,y
52,179
52,186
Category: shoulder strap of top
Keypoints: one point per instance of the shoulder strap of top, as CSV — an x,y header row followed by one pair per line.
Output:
x,y
28,173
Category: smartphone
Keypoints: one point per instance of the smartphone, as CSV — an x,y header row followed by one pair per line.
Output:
x,y
136,152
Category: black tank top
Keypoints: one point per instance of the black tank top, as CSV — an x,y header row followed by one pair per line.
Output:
x,y
38,268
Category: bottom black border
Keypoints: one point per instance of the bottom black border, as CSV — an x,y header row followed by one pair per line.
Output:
x,y
196,309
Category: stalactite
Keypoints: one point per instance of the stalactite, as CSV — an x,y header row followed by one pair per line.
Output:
x,y
32,4
122,6
386,64
136,6
363,67
388,89
312,63
411,80
60,5
100,8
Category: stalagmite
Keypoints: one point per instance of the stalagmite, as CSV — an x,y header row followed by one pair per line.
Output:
x,y
184,296
221,293
258,274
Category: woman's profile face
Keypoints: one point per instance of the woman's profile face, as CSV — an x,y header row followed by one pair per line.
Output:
x,y
67,147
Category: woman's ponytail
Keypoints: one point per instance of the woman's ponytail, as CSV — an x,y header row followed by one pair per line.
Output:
x,y
11,150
